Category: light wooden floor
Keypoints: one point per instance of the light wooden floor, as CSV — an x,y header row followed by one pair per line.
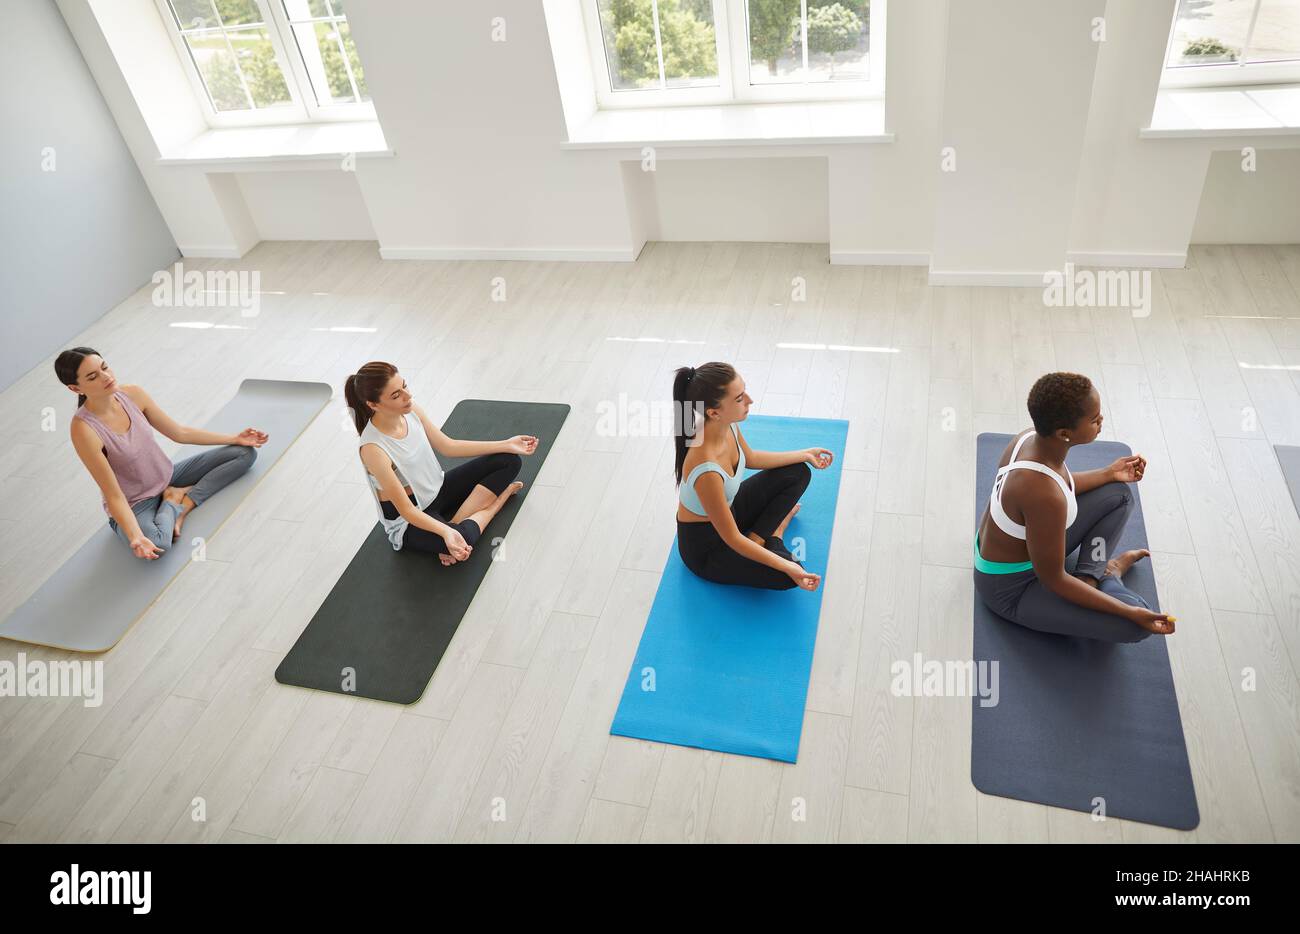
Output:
x,y
516,722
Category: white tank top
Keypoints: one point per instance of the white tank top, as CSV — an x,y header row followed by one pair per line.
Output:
x,y
416,466
1000,517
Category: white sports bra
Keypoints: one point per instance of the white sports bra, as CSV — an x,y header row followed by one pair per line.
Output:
x,y
1000,517
415,466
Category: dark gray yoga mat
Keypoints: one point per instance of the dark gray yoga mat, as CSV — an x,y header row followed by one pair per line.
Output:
x,y
1289,459
89,603
392,614
1078,719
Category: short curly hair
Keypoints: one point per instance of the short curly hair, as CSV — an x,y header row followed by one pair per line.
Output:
x,y
1058,400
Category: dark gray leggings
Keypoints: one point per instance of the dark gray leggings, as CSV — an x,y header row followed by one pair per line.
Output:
x,y
1022,598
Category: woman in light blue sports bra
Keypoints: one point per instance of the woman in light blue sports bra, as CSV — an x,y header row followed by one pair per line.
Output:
x,y
1039,513
729,526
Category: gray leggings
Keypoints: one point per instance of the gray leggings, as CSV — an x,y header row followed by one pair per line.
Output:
x,y
205,473
1022,598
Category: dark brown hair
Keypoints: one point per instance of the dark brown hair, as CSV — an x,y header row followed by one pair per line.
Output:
x,y
366,385
1058,400
68,363
704,386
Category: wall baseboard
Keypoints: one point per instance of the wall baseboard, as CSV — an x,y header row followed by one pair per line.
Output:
x,y
878,258
525,254
1130,260
995,279
211,252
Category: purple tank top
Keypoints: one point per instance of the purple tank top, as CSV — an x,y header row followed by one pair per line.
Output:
x,y
141,467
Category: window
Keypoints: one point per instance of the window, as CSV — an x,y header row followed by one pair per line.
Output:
x,y
663,52
1223,42
270,61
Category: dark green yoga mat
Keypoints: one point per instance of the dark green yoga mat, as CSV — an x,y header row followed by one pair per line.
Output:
x,y
392,614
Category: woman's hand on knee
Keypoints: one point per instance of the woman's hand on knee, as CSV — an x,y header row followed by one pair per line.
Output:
x,y
1128,469
145,547
458,548
804,580
251,437
818,457
1162,624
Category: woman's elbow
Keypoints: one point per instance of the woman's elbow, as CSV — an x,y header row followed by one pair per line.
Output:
x,y
736,542
1057,582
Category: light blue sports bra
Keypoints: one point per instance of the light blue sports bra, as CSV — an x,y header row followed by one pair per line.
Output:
x,y
691,500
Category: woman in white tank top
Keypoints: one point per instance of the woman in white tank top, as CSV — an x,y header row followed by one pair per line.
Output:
x,y
421,507
1039,513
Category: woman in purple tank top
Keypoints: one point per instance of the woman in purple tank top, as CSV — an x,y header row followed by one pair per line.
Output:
x,y
146,496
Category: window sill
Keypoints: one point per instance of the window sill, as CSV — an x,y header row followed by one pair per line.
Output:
x,y
264,146
1219,112
831,122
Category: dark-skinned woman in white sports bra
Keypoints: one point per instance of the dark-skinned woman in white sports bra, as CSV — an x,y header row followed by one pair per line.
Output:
x,y
1039,513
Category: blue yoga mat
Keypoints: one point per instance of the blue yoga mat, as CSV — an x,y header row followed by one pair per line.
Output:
x,y
729,666
1080,722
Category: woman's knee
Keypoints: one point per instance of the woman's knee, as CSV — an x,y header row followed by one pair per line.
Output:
x,y
800,473
1119,491
246,455
505,462
1127,631
469,531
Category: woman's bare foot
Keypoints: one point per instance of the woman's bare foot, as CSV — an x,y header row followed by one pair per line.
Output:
x,y
179,495
1118,566
780,529
485,515
176,494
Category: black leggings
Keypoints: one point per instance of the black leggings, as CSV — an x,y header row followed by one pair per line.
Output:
x,y
762,501
494,471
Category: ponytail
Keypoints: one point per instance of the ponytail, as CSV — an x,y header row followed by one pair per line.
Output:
x,y
696,388
68,363
365,386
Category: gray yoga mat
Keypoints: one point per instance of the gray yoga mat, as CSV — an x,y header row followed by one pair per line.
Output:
x,y
392,614
1289,459
88,604
1079,719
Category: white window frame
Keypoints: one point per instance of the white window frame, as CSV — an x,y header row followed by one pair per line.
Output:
x,y
1226,74
730,20
303,107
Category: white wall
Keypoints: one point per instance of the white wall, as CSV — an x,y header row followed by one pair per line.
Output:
x,y
477,126
882,196
1004,202
1262,206
285,205
76,240
1050,161
199,212
780,200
